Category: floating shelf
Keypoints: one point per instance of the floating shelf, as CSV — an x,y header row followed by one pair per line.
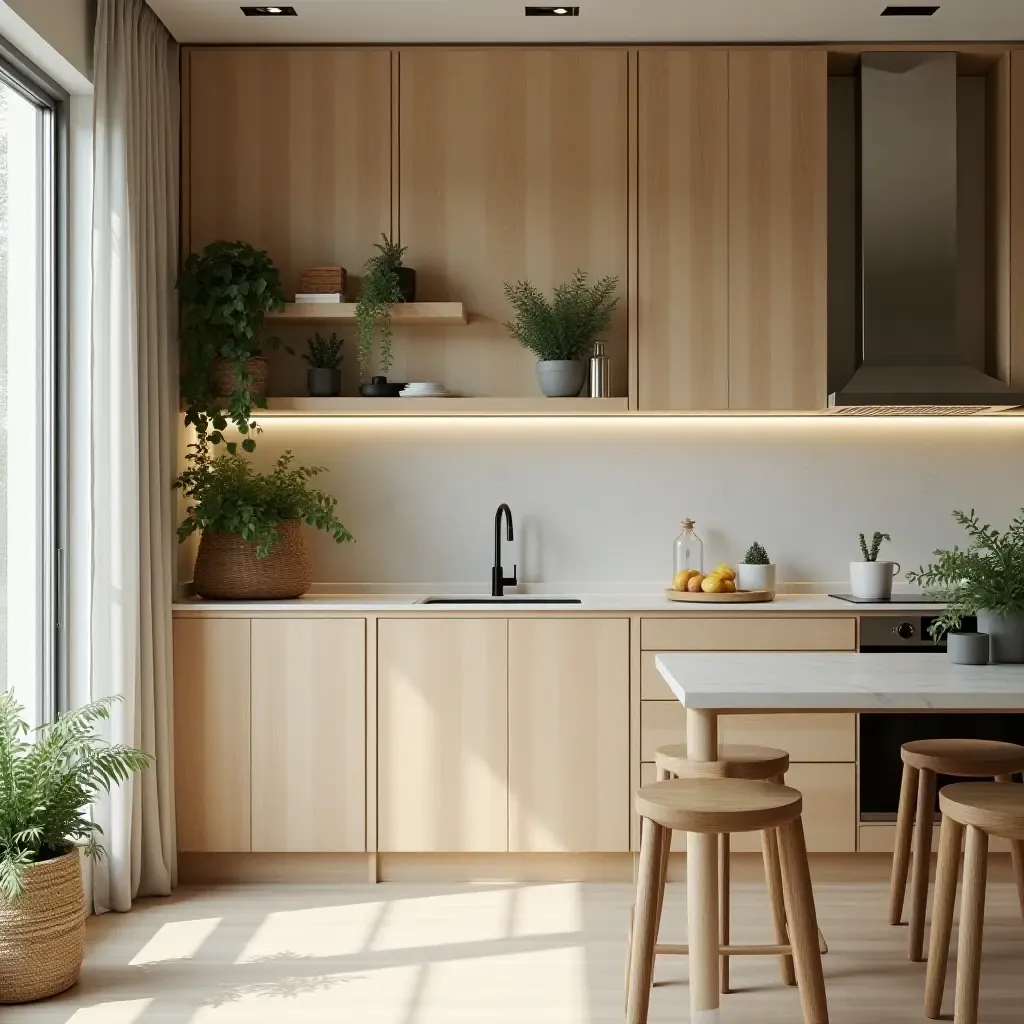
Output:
x,y
356,407
410,314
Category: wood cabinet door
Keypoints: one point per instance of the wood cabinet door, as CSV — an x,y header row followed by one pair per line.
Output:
x,y
308,735
778,149
211,734
442,734
568,754
683,230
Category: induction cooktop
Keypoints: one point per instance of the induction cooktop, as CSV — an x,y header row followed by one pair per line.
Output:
x,y
895,599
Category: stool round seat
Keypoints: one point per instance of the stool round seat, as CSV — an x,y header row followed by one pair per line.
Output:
x,y
964,757
735,761
718,805
995,807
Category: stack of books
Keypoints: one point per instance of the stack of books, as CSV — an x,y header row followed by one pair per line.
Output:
x,y
318,297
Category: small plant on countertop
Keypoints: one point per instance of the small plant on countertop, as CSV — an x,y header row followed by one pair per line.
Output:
x,y
565,328
324,352
47,786
380,291
871,554
986,576
756,555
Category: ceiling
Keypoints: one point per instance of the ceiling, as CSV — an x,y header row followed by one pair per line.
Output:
x,y
611,21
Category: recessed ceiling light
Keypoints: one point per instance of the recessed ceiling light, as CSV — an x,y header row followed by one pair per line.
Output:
x,y
910,11
557,12
269,12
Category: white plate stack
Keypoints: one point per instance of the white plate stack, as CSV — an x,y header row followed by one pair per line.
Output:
x,y
424,389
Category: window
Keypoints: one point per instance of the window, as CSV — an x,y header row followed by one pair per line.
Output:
x,y
30,117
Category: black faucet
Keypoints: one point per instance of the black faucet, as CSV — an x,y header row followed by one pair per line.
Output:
x,y
498,579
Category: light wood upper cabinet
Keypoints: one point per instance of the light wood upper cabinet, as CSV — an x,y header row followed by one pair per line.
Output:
x,y
308,735
211,734
289,149
442,729
513,165
778,142
683,229
568,752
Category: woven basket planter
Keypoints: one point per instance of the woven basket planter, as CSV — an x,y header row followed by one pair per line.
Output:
x,y
42,935
224,375
227,568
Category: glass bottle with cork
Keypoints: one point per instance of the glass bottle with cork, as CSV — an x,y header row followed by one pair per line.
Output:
x,y
689,551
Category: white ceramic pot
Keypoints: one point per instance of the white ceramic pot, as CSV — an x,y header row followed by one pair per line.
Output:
x,y
755,577
872,581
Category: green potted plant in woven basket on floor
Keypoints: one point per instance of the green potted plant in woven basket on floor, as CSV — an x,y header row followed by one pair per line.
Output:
x,y
46,788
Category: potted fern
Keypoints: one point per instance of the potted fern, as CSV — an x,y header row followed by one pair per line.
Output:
x,y
385,282
985,579
871,580
251,545
756,571
46,789
561,332
323,377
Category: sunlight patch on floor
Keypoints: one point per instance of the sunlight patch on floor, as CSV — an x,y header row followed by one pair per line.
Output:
x,y
123,1011
548,910
176,940
314,932
447,919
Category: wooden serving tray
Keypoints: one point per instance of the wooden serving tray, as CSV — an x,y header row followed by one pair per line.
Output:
x,y
737,597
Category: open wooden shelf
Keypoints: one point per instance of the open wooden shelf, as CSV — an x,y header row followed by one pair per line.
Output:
x,y
328,407
403,314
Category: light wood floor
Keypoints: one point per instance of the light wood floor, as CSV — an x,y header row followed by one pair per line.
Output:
x,y
515,954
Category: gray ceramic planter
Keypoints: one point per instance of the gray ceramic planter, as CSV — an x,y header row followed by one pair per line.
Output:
x,y
1007,636
561,378
968,648
321,383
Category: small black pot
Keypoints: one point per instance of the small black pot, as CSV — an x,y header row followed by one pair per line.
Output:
x,y
406,283
381,387
323,383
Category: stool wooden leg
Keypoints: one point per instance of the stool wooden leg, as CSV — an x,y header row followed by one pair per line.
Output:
x,y
950,840
723,908
803,922
665,849
972,920
922,857
904,831
773,877
1017,856
641,960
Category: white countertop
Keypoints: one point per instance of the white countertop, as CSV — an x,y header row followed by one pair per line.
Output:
x,y
622,603
832,682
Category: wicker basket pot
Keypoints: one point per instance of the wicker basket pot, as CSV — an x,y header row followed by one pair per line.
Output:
x,y
227,568
224,375
42,935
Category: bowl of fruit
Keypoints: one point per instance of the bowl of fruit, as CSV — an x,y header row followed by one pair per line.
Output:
x,y
718,586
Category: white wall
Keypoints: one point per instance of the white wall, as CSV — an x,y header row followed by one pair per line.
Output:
x,y
600,501
67,25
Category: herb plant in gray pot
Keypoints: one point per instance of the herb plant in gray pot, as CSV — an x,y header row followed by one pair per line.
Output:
x,y
561,332
985,579
323,377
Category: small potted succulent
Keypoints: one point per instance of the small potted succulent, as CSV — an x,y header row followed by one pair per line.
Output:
x,y
385,282
987,580
323,377
870,579
561,333
756,571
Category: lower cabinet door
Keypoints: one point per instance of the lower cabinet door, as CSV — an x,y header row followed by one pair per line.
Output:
x,y
568,755
442,735
308,735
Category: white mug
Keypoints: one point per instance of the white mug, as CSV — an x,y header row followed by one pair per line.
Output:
x,y
872,581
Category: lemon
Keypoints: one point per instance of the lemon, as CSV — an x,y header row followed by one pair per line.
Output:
x,y
712,584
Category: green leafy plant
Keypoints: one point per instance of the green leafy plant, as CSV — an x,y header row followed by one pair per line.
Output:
x,y
871,553
566,327
987,575
227,495
380,291
226,292
756,555
324,352
46,786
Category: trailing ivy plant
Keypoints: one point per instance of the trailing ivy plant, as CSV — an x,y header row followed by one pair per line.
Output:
x,y
566,327
871,553
987,575
48,784
380,291
226,292
227,495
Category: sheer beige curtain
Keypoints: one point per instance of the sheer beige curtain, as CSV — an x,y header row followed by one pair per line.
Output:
x,y
133,384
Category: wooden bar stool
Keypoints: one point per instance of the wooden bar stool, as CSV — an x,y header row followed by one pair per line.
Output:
x,y
923,760
722,806
984,809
